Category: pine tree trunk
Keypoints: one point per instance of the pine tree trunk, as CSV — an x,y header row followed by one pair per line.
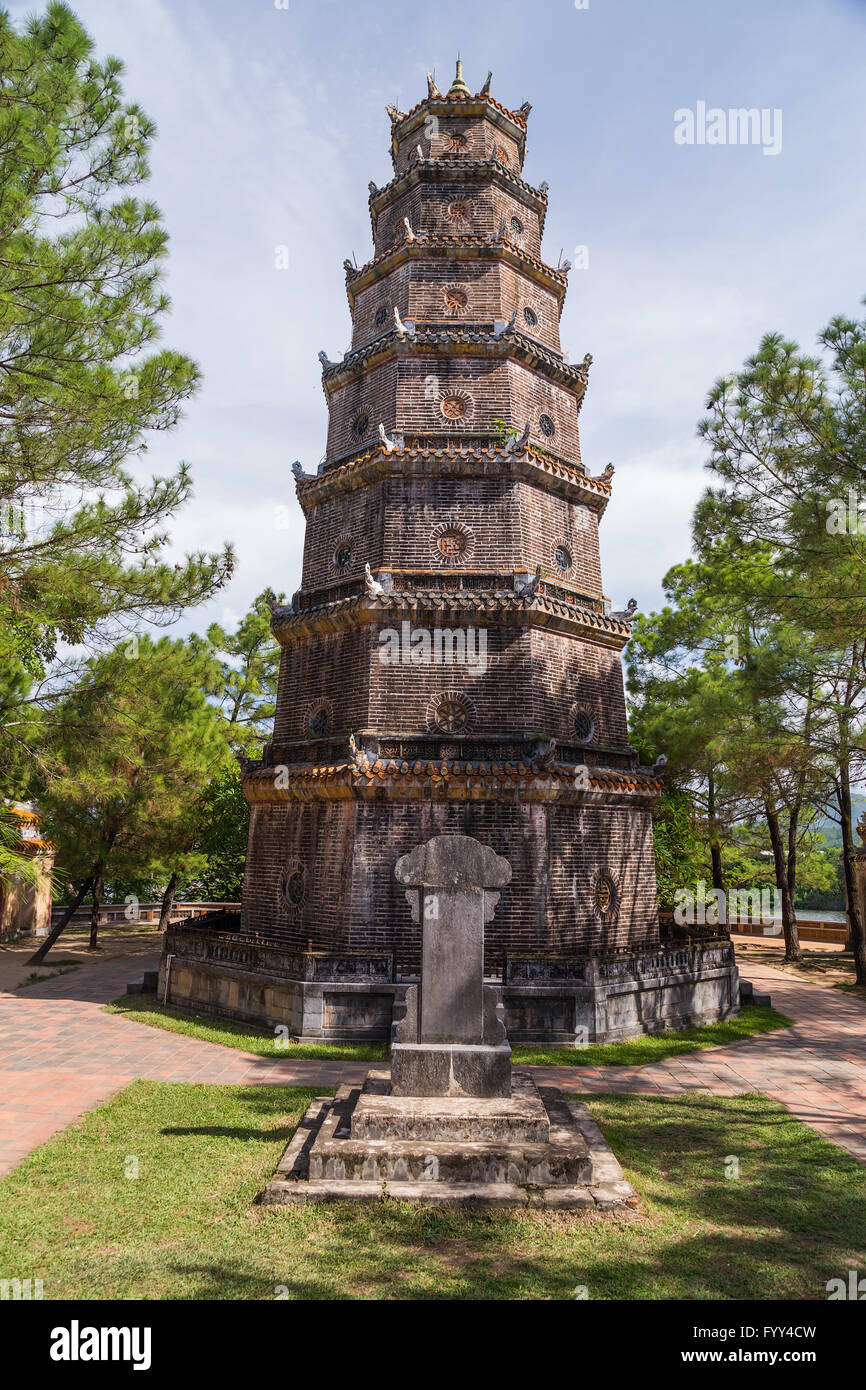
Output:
x,y
108,843
94,911
715,846
855,927
167,902
38,956
848,948
791,872
789,921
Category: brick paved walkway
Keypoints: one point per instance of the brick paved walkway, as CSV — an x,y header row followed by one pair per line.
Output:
x,y
816,1069
60,1055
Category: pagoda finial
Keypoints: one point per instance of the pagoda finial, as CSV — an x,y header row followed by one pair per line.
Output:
x,y
458,87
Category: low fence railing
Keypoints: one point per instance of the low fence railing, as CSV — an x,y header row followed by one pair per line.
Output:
x,y
141,912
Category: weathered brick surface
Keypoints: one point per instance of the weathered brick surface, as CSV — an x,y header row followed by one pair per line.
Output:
x,y
406,394
463,205
352,901
323,844
531,680
423,290
476,138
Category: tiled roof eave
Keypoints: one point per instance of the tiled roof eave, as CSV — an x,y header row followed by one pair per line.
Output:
x,y
534,466
464,337
437,243
493,605
446,104
446,778
445,168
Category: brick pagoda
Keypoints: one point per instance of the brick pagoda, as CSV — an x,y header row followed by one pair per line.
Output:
x,y
450,664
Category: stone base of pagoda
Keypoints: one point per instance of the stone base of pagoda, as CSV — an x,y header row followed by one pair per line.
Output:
x,y
330,997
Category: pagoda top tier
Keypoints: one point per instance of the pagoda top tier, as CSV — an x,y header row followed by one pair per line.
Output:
x,y
459,122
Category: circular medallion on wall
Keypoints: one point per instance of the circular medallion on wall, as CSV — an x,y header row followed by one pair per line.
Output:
x,y
605,896
293,886
458,211
381,317
517,226
546,425
501,154
563,558
452,542
456,300
452,712
360,425
341,558
530,316
582,723
319,718
456,406
455,142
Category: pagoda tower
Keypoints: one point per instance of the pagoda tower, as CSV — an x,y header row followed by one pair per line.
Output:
x,y
450,663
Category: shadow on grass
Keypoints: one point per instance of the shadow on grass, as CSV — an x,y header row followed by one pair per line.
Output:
x,y
794,1218
743,1160
240,1132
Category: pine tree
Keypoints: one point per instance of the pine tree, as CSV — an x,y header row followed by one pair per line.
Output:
x,y
134,745
82,381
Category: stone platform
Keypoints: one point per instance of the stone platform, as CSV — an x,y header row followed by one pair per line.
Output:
x,y
533,1148
340,997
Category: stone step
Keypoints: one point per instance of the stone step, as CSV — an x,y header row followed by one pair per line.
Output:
x,y
324,1163
147,985
518,1119
560,1158
396,1160
750,995
601,1196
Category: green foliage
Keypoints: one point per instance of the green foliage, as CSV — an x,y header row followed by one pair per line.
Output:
x,y
787,437
681,847
134,744
222,820
250,667
752,679
16,865
81,385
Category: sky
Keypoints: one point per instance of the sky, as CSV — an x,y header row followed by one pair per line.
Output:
x,y
271,121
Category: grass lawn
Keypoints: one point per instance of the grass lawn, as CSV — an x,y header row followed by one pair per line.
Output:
x,y
144,1008
655,1047
188,1226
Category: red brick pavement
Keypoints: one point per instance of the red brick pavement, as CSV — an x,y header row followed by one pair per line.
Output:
x,y
816,1069
60,1055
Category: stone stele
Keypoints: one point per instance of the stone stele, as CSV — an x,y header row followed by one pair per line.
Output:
x,y
451,1040
451,1124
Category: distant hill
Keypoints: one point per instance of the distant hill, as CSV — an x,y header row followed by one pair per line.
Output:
x,y
831,830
